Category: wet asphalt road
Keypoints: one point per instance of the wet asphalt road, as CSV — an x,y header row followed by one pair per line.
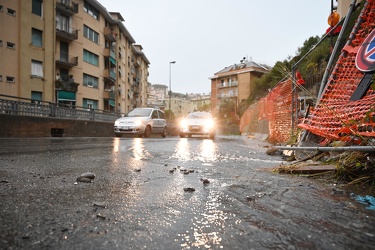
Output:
x,y
150,194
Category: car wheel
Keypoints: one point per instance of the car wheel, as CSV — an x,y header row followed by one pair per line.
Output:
x,y
164,134
147,133
118,135
212,136
182,135
189,135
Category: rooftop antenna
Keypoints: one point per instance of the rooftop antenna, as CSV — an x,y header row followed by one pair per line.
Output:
x,y
244,59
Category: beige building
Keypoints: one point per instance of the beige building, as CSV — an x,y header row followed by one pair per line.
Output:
x,y
200,102
234,82
180,104
158,96
70,52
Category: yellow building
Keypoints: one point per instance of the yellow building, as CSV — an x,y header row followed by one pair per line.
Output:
x,y
70,52
234,82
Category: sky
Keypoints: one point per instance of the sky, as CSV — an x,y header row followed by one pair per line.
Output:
x,y
205,36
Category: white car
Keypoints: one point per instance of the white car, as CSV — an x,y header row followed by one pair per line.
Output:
x,y
198,123
141,122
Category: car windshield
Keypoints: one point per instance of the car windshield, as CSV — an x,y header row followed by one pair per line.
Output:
x,y
139,113
199,116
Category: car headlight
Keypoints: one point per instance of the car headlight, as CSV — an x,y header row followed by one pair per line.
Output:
x,y
209,124
138,122
117,123
183,123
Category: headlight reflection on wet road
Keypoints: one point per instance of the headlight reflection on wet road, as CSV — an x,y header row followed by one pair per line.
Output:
x,y
189,150
137,149
208,226
208,151
116,143
182,151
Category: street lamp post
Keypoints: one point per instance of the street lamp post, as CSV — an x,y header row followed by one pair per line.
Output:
x,y
170,85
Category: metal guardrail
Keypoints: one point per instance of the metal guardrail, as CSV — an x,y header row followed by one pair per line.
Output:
x,y
28,107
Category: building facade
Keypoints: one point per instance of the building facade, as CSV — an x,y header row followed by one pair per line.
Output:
x,y
234,83
73,53
200,102
158,96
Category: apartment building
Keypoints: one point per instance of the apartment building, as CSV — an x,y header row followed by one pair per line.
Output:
x,y
200,102
234,82
158,96
70,52
180,104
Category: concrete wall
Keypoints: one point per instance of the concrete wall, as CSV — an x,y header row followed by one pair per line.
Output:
x,y
31,126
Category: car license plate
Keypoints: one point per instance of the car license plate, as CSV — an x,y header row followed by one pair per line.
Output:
x,y
195,127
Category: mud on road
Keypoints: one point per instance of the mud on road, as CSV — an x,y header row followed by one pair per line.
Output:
x,y
150,194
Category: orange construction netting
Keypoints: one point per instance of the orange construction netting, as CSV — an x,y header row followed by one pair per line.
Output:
x,y
275,109
336,117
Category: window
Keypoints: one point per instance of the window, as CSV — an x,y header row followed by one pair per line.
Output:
x,y
89,9
36,68
161,115
37,6
1,8
10,79
11,45
36,97
90,58
90,104
11,12
62,23
37,37
90,34
119,52
154,114
1,43
1,78
90,81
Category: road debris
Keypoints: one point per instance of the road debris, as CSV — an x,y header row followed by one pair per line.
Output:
x,y
205,181
86,177
189,189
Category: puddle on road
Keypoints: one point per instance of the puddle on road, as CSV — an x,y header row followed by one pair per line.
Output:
x,y
208,152
207,226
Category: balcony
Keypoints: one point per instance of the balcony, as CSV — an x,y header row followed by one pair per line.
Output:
x,y
66,85
227,84
112,54
109,34
109,94
227,95
66,35
109,74
106,52
67,61
67,7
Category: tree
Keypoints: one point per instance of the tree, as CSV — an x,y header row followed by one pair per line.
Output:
x,y
169,115
227,109
205,107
